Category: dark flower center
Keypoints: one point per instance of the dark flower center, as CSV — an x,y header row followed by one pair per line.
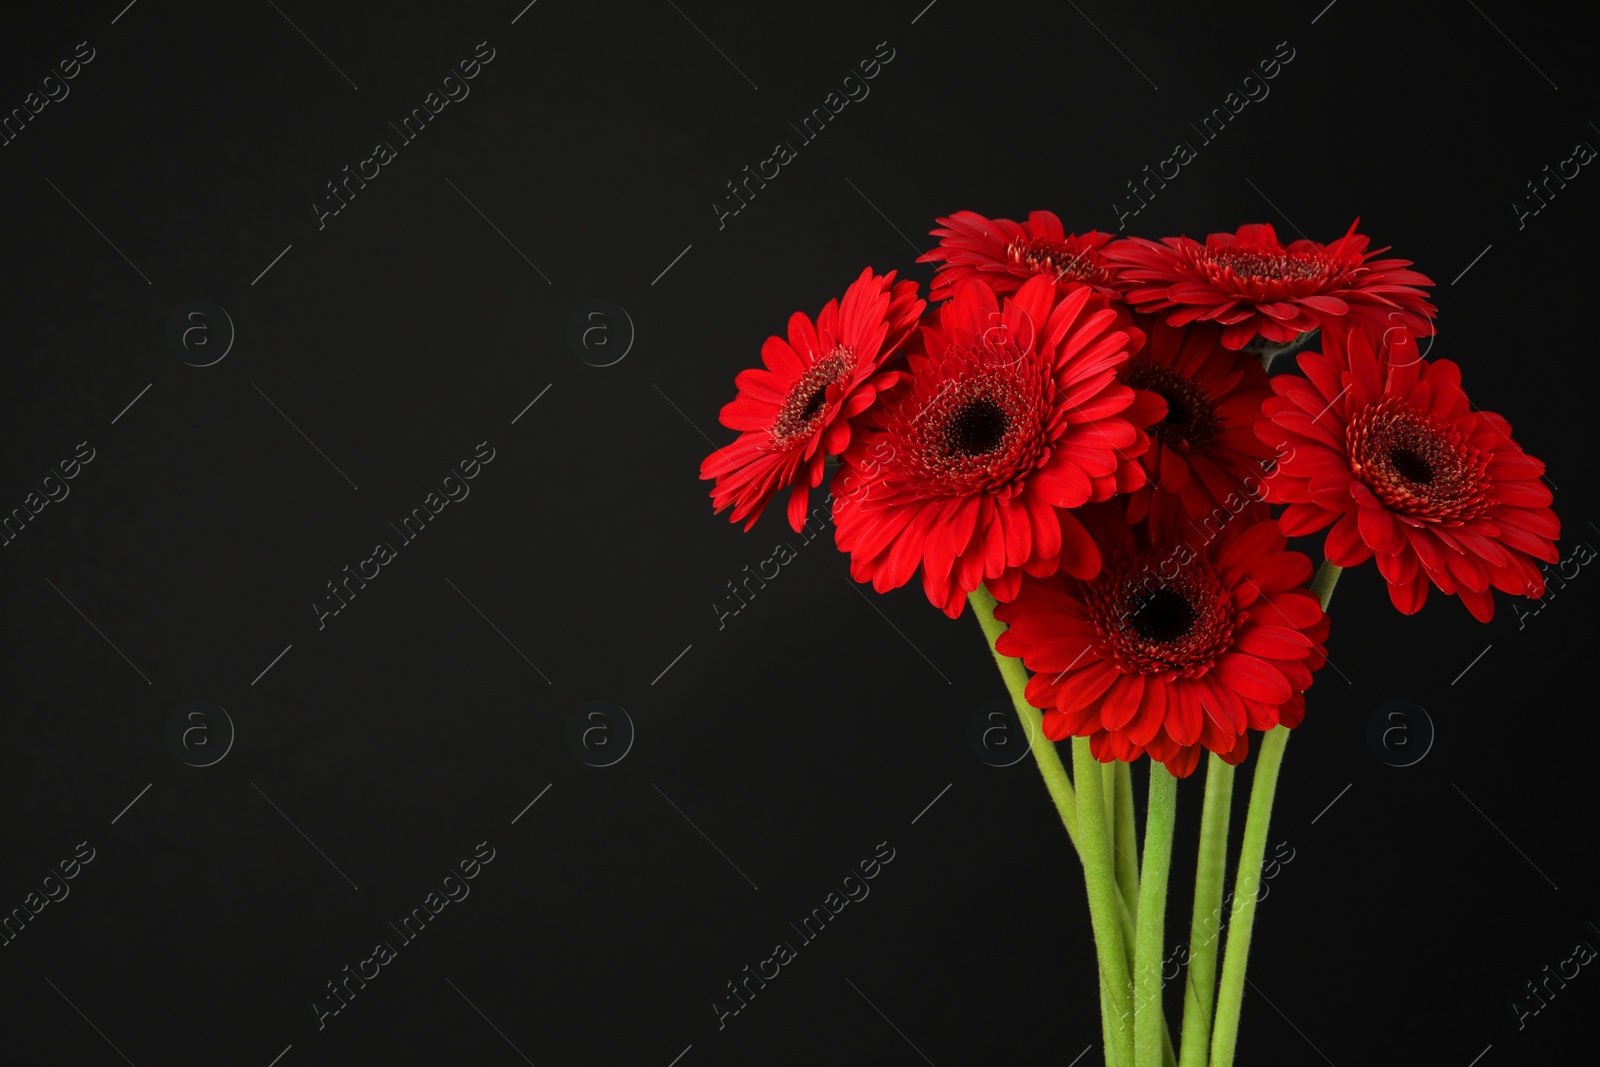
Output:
x,y
977,428
802,412
1270,265
1163,611
1410,466
1417,465
1164,616
1266,273
1191,424
814,403
1058,260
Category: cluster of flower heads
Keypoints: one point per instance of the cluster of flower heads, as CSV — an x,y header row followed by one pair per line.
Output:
x,y
1084,426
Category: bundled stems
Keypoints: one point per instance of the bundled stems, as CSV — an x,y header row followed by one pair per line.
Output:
x,y
1126,835
1147,970
1205,931
1094,847
1230,995
1114,888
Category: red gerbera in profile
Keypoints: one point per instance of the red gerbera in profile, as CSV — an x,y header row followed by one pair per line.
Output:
x,y
1175,646
797,411
1004,254
1252,285
1204,454
1389,446
1011,416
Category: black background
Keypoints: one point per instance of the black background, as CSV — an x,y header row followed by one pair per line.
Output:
x,y
817,722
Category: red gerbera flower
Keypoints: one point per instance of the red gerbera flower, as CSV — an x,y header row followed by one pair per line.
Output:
x,y
1004,254
1251,284
1175,646
1389,445
797,411
1204,454
1011,416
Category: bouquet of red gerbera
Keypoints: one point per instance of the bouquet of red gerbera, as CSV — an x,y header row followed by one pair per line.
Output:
x,y
1082,441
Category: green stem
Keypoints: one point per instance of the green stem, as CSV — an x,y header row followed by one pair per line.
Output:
x,y
1108,800
1100,880
1200,986
1105,1015
1126,835
1044,750
1322,585
1230,996
1127,839
1267,351
1158,825
1048,758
